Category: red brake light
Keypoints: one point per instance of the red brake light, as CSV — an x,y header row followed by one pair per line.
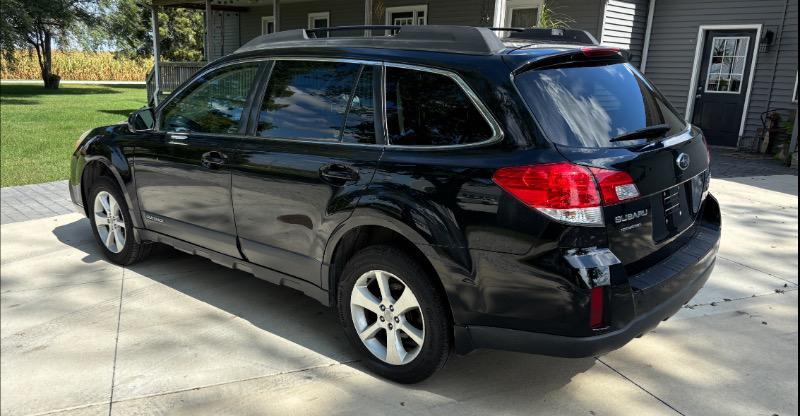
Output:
x,y
594,51
567,192
615,186
597,301
553,185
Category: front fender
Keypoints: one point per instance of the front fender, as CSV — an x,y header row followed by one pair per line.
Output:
x,y
105,150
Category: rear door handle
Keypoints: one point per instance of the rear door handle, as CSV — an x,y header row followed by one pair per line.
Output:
x,y
337,174
213,159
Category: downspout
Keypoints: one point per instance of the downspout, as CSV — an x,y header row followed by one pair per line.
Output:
x,y
156,54
648,30
276,13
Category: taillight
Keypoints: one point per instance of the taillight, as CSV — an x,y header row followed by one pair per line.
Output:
x,y
567,192
594,51
597,301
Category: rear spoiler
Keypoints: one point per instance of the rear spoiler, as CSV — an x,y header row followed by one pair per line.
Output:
x,y
599,53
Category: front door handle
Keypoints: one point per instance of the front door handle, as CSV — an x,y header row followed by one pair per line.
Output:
x,y
336,174
213,159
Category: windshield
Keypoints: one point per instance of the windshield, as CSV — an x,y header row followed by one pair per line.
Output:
x,y
588,106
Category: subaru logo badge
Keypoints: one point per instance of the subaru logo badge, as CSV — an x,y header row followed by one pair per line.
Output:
x,y
683,161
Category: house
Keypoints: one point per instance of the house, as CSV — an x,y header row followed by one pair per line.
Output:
x,y
724,64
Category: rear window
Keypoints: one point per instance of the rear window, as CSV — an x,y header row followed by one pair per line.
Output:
x,y
587,106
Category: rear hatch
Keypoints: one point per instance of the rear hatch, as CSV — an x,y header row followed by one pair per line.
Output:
x,y
599,111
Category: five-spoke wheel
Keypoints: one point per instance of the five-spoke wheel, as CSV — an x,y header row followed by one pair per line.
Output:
x,y
109,221
394,313
387,317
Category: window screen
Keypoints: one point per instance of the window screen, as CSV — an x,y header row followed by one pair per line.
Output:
x,y
425,108
307,100
213,103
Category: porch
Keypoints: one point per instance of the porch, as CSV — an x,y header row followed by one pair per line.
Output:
x,y
232,23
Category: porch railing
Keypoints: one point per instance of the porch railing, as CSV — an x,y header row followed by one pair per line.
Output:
x,y
173,74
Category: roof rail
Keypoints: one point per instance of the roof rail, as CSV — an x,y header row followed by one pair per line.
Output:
x,y
537,34
436,38
391,28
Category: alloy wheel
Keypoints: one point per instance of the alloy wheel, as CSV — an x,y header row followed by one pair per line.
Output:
x,y
109,221
387,317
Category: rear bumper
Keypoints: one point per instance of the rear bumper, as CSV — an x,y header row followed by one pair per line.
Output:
x,y
662,291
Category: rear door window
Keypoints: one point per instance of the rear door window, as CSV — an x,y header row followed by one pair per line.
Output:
x,y
588,106
429,109
309,100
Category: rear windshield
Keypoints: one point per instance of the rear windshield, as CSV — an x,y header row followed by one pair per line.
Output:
x,y
587,106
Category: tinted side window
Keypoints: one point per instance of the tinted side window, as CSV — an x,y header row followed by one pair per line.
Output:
x,y
359,126
213,103
424,108
307,100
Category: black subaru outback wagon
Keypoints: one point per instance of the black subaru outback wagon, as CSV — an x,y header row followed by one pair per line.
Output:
x,y
443,188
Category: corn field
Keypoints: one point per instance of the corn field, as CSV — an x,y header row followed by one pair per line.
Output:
x,y
84,66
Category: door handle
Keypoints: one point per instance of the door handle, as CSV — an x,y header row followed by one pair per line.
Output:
x,y
177,138
337,174
213,159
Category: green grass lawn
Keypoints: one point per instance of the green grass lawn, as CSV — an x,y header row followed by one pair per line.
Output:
x,y
38,127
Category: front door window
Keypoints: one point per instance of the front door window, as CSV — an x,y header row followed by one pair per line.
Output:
x,y
728,56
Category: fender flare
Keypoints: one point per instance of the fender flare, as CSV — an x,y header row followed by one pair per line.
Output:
x,y
125,187
451,264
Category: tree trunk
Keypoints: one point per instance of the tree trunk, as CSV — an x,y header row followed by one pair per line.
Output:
x,y
51,80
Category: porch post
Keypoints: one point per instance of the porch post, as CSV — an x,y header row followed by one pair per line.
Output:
x,y
156,54
499,13
276,13
367,17
207,46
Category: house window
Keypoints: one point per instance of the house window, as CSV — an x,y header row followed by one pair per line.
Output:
x,y
522,13
319,20
407,15
267,25
794,96
727,64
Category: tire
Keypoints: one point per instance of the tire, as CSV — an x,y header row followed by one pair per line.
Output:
x,y
123,254
429,321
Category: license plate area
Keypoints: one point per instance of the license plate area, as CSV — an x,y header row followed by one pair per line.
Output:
x,y
675,209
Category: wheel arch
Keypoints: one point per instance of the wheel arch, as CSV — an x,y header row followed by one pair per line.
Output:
x,y
370,228
97,166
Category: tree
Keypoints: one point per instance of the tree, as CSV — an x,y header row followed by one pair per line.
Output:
x,y
35,24
127,26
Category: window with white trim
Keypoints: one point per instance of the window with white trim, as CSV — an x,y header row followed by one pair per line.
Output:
x,y
794,95
319,20
267,25
728,57
407,15
522,13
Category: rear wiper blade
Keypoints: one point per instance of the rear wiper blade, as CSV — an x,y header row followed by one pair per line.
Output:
x,y
649,131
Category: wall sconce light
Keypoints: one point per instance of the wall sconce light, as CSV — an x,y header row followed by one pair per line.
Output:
x,y
767,39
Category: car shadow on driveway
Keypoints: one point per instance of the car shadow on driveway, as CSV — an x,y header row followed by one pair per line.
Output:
x,y
170,282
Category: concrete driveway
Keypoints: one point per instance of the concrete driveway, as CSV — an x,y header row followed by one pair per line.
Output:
x,y
181,335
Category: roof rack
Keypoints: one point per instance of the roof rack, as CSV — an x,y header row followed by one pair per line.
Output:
x,y
436,38
536,34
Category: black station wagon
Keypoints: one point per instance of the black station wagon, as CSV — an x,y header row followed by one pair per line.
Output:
x,y
444,188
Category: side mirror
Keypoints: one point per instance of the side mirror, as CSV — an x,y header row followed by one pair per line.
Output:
x,y
142,119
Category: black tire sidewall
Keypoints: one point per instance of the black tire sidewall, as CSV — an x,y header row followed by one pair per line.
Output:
x,y
436,347
128,252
